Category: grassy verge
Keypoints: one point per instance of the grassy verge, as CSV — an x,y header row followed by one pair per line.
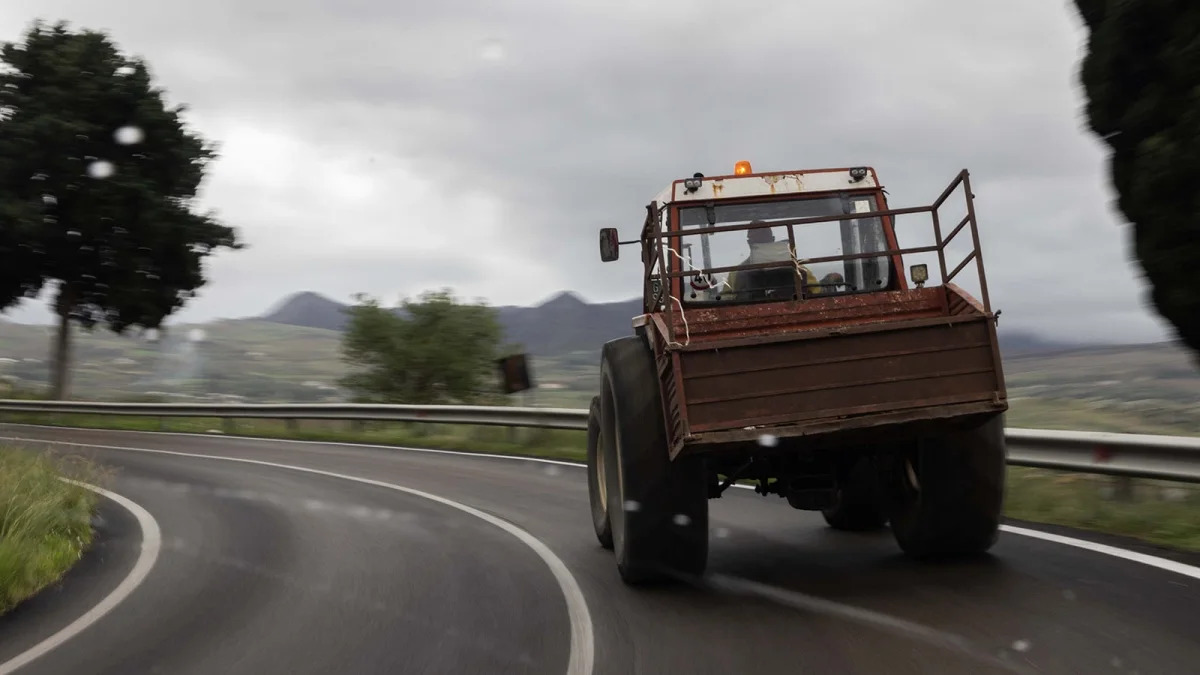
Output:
x,y
1162,513
1159,512
45,523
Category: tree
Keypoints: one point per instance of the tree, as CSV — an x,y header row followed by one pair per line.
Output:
x,y
1141,76
98,179
433,350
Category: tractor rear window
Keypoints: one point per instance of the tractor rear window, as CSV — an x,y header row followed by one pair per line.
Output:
x,y
771,244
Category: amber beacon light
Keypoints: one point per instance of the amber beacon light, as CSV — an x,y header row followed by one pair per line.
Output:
x,y
741,168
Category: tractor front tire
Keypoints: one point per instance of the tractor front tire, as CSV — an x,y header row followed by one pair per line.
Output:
x,y
658,508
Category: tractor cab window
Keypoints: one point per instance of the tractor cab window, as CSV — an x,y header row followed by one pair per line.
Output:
x,y
765,244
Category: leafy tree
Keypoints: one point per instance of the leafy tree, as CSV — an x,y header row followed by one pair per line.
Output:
x,y
433,350
1141,76
98,179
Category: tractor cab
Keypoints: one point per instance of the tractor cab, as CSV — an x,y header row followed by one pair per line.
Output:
x,y
766,237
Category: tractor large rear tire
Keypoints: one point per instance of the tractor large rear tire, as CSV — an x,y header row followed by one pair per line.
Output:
x,y
859,504
597,489
948,492
658,508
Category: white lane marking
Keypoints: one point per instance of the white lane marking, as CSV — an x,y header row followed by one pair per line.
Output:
x,y
151,545
1133,556
1153,561
582,655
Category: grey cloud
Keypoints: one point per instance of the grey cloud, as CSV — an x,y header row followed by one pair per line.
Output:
x,y
597,105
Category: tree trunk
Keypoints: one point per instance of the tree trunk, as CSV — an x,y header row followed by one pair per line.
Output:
x,y
62,346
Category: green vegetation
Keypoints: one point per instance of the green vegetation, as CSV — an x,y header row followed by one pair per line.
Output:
x,y
45,523
1141,76
98,179
439,351
1159,512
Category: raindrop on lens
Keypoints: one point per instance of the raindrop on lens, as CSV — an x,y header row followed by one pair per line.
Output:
x,y
100,169
128,135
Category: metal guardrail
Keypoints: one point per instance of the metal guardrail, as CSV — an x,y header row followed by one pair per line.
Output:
x,y
1174,458
548,418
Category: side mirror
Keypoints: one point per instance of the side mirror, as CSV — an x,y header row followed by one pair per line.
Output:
x,y
610,246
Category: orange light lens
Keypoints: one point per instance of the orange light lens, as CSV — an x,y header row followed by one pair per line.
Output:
x,y
741,168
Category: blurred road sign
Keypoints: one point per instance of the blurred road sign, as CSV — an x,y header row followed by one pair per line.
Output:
x,y
514,374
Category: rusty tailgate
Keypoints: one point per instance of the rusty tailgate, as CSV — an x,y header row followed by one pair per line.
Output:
x,y
819,376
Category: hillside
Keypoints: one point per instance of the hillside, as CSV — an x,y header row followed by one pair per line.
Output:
x,y
254,359
1138,388
566,323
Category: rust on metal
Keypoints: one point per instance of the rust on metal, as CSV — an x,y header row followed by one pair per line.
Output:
x,y
807,220
813,432
824,364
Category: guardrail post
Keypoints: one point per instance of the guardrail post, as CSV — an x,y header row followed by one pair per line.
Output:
x,y
1122,488
293,424
229,425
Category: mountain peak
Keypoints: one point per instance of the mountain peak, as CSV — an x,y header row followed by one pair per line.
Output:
x,y
307,308
567,323
300,296
564,300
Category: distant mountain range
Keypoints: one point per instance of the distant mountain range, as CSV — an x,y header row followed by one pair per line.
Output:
x,y
566,323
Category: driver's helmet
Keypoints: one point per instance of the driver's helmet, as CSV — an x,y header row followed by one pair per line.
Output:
x,y
759,235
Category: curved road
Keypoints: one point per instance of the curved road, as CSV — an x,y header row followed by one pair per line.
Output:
x,y
269,569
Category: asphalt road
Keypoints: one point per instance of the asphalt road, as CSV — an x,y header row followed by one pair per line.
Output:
x,y
266,569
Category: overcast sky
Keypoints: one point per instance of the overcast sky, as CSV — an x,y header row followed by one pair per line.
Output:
x,y
393,147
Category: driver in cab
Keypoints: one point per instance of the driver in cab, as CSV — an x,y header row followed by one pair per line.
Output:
x,y
764,249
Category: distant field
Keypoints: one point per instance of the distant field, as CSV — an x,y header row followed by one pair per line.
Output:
x,y
1143,388
253,359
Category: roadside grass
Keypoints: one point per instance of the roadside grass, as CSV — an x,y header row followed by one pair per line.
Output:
x,y
1157,512
45,523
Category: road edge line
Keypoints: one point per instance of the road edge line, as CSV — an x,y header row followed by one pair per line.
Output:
x,y
148,555
1096,547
